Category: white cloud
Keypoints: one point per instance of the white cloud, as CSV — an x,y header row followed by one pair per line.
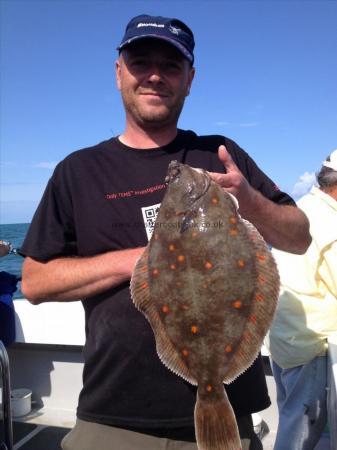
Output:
x,y
7,164
222,124
40,165
45,165
242,125
303,186
248,124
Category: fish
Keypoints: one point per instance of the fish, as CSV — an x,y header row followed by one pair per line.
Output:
x,y
208,285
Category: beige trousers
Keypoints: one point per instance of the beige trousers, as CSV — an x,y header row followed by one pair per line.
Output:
x,y
94,436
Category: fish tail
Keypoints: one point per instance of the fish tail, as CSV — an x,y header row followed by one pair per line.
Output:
x,y
215,424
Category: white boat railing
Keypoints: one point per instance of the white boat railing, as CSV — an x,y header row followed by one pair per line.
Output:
x,y
55,323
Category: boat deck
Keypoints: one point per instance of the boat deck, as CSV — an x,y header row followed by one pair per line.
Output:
x,y
50,364
28,436
42,430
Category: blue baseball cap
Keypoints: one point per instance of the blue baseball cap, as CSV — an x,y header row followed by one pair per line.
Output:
x,y
173,31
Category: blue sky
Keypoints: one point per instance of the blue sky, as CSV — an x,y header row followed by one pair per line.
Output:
x,y
266,77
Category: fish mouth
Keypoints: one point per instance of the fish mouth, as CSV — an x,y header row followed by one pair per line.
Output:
x,y
177,170
173,171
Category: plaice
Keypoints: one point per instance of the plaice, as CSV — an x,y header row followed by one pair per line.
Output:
x,y
208,285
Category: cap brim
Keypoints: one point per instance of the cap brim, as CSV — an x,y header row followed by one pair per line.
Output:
x,y
188,55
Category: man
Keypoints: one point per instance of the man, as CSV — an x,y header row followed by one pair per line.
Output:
x,y
93,223
306,316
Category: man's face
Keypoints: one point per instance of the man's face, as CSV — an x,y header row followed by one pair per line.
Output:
x,y
154,79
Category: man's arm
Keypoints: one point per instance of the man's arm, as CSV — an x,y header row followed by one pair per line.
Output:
x,y
73,278
284,227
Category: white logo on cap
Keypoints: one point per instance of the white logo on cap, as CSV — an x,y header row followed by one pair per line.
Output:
x,y
174,30
156,25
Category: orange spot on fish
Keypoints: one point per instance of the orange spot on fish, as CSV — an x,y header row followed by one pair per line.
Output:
x,y
181,258
194,329
228,349
194,234
144,285
155,272
208,265
209,388
261,258
173,266
259,297
262,279
205,285
185,352
144,268
233,220
241,263
252,319
237,304
171,248
165,309
233,232
215,200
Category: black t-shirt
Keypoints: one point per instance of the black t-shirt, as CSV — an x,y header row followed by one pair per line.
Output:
x,y
105,198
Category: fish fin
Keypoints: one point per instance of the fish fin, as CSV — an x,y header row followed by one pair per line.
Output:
x,y
168,355
141,297
139,284
263,306
215,424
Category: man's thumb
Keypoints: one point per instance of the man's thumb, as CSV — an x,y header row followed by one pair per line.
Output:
x,y
225,158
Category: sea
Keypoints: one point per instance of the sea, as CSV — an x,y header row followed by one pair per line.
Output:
x,y
12,263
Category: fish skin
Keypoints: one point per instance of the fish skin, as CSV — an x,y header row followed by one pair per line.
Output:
x,y
208,285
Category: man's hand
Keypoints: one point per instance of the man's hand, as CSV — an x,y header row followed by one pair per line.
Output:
x,y
283,226
233,180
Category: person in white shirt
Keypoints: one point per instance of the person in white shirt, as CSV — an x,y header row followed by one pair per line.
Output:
x,y
306,316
